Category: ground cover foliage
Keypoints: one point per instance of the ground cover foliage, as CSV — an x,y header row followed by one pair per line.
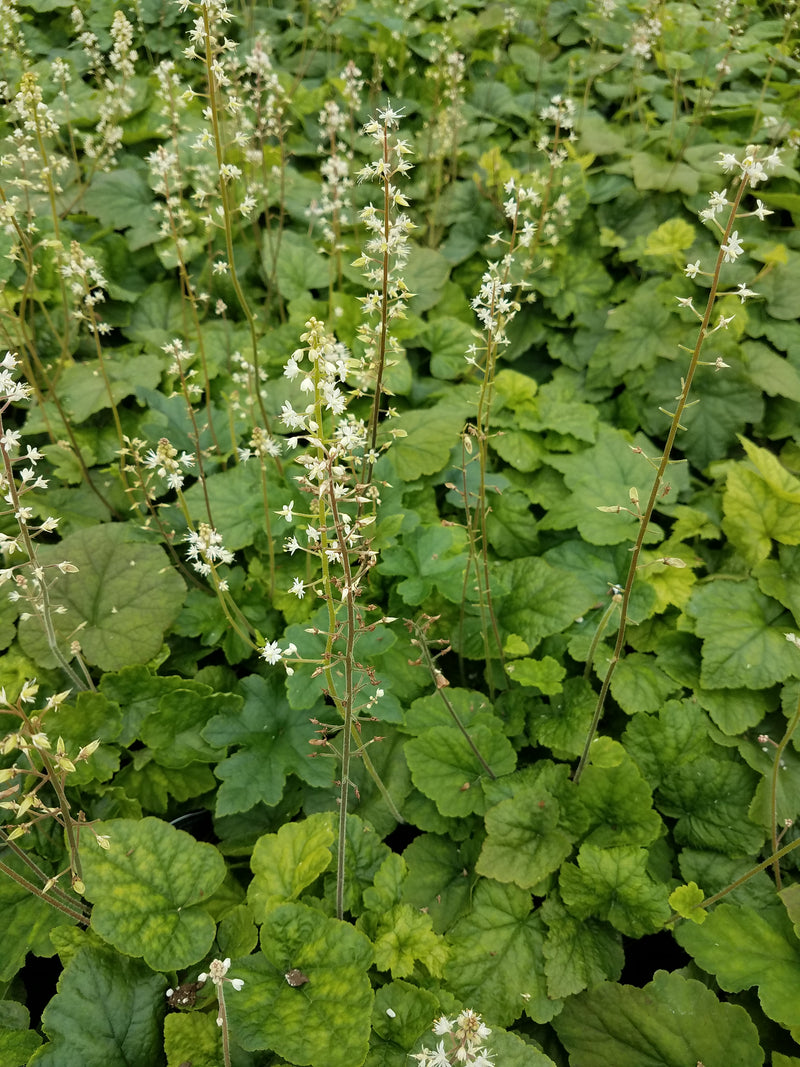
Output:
x,y
402,510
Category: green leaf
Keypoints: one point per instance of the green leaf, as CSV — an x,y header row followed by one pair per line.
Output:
x,y
82,388
736,710
559,410
274,742
791,899
108,1009
125,592
743,947
121,198
780,578
542,599
524,843
430,556
714,872
299,267
17,1044
620,806
157,316
137,691
147,889
445,768
639,684
672,238
757,513
173,730
578,953
727,403
644,328
685,900
711,800
401,937
192,1037
774,374
562,722
447,339
286,862
237,934
425,274
426,440
237,504
660,744
651,172
91,717
438,879
602,476
412,1010
546,674
779,287
497,956
666,1024
743,636
299,1022
613,884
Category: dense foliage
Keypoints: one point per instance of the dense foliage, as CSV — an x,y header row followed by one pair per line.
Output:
x,y
401,466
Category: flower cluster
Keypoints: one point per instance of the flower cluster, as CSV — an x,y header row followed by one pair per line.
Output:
x,y
334,531
750,170
18,477
334,201
168,464
86,283
465,1038
387,247
218,973
206,550
446,71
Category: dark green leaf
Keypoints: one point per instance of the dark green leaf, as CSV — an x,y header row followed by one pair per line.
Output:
x,y
274,742
744,947
671,1019
497,957
108,1010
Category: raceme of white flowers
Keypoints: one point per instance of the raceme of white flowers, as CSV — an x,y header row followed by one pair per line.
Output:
x,y
462,1041
18,477
750,171
334,524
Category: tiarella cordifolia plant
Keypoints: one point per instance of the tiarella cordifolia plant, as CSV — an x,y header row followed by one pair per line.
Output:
x,y
211,376
339,513
749,171
536,209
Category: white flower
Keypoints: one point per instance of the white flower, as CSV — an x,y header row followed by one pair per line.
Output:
x,y
286,511
732,248
743,292
298,588
217,972
271,652
691,270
